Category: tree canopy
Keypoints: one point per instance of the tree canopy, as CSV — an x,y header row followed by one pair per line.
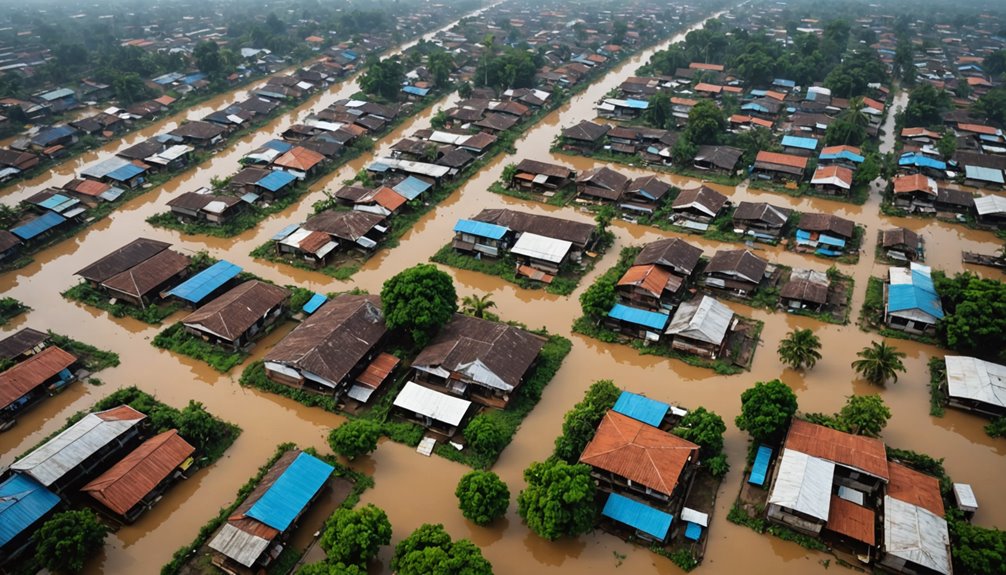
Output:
x,y
482,497
703,428
420,300
766,410
486,433
926,106
800,348
68,539
865,415
355,437
383,77
429,550
706,123
580,423
879,363
975,315
559,499
353,536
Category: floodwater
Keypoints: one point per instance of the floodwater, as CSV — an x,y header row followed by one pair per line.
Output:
x,y
404,477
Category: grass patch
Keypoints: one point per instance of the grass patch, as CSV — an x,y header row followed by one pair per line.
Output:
x,y
153,314
92,358
11,308
505,267
176,339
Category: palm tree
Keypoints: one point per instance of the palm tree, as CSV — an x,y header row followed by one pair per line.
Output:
x,y
880,362
477,306
799,349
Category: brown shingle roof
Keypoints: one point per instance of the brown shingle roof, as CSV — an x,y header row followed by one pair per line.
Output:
x,y
32,372
140,279
829,223
639,452
21,342
137,474
334,338
122,259
704,196
552,170
586,131
916,488
805,290
855,521
742,262
577,233
670,252
863,453
196,201
198,130
346,225
234,312
898,237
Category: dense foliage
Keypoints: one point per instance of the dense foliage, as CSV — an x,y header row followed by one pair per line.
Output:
x,y
482,497
68,539
419,300
355,437
429,550
861,415
559,499
800,348
487,432
353,536
766,410
879,363
975,321
579,423
705,429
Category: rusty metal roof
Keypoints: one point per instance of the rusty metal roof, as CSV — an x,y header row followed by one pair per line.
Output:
x,y
137,474
31,373
639,452
378,370
233,313
129,255
650,278
852,520
146,276
916,488
863,453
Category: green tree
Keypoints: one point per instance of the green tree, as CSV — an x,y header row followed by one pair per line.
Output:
x,y
429,550
947,145
355,437
598,299
509,172
482,497
603,218
864,415
703,428
995,63
869,170
800,348
196,424
766,410
992,106
325,568
353,536
486,433
420,300
879,362
706,123
975,320
684,151
68,539
440,65
976,549
559,499
477,305
383,77
926,106
465,90
658,111
580,423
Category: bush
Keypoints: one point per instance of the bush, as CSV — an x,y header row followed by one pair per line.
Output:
x,y
486,433
580,423
68,539
353,536
355,437
559,499
482,497
718,466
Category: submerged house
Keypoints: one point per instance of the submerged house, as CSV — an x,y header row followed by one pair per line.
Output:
x,y
31,380
739,272
239,316
901,244
976,385
335,350
645,194
255,534
24,505
701,327
806,289
478,359
911,303
75,454
776,166
824,234
542,177
916,538
206,206
763,221
695,209
601,185
581,236
136,482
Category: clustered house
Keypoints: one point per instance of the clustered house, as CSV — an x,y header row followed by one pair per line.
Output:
x,y
238,317
541,177
976,385
842,488
323,236
763,222
780,167
643,472
601,186
806,289
911,303
471,364
701,327
137,272
259,528
737,272
825,234
540,245
34,377
901,245
695,209
335,351
205,206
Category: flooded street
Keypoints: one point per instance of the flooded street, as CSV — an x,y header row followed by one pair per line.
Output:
x,y
414,489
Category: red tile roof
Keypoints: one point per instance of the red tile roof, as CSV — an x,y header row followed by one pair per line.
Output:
x,y
863,453
639,452
916,488
299,158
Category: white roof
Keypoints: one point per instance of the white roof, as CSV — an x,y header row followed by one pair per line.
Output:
x,y
293,240
917,535
830,181
433,404
448,138
810,275
421,168
803,483
239,545
323,125
965,496
707,320
990,205
72,446
101,169
973,378
899,275
693,516
541,247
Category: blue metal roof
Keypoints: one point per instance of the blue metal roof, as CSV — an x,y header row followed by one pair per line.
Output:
x,y
755,107
798,142
23,501
49,135
636,104
784,83
651,319
642,517
481,229
983,174
285,232
693,531
920,161
276,180
279,145
193,78
649,411
126,172
758,93
291,492
805,236
760,467
54,202
205,282
844,155
39,225
415,91
920,294
314,303
411,187
349,55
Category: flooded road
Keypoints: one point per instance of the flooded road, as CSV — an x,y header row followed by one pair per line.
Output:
x,y
400,474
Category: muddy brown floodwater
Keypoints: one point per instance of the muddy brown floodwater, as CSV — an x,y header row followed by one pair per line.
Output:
x,y
414,489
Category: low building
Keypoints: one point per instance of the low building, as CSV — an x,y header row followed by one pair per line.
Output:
x,y
205,283
760,220
672,254
258,529
645,194
352,229
695,209
976,385
22,344
991,210
776,166
911,303
901,244
32,380
718,159
332,351
649,287
77,453
136,482
601,185
848,156
142,284
26,505
480,238
805,290
435,411
478,359
739,272
640,323
585,137
916,538
542,253
581,236
915,193
701,327
200,134
120,260
541,177
238,317
824,234
833,180
205,206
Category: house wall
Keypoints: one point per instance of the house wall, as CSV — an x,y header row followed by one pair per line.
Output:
x,y
794,520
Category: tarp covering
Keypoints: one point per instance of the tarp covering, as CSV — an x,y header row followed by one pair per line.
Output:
x,y
481,229
38,226
290,494
314,303
653,522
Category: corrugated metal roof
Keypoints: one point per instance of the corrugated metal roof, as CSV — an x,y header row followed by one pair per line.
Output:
x,y
972,378
61,454
803,483
31,373
707,320
851,520
39,225
481,229
642,517
798,142
291,493
125,173
913,290
649,411
99,170
314,303
433,404
985,205
205,282
23,501
541,247
921,161
239,545
276,180
651,319
137,474
857,452
760,467
917,535
411,187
